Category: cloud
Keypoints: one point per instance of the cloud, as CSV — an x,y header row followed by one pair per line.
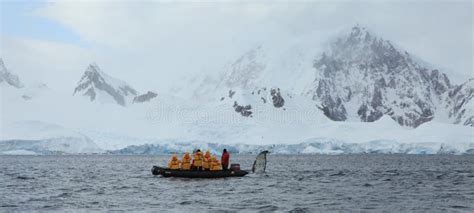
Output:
x,y
153,44
58,64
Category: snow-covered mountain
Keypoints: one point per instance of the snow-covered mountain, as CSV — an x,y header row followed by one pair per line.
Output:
x,y
362,76
9,78
358,77
365,77
98,86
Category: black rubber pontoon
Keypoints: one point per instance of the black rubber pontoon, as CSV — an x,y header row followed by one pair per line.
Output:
x,y
165,172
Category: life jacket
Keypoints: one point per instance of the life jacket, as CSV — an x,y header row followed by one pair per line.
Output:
x,y
174,163
197,159
215,165
206,162
186,164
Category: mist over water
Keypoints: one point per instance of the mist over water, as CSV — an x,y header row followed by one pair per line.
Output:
x,y
299,183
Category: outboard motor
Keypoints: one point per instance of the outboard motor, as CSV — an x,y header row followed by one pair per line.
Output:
x,y
235,167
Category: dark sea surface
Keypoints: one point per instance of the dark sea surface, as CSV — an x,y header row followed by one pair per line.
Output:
x,y
305,183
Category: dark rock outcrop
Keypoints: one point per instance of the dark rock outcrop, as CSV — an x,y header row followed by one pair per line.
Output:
x,y
231,94
243,110
145,97
278,101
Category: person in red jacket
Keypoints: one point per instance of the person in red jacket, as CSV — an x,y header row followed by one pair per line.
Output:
x,y
225,159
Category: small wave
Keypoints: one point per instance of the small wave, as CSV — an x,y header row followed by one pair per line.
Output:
x,y
82,190
121,187
393,172
11,174
299,210
268,208
64,194
459,207
186,202
8,206
340,173
24,178
37,199
48,207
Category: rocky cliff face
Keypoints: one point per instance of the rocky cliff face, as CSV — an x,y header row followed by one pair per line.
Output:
x,y
8,77
363,77
459,103
98,86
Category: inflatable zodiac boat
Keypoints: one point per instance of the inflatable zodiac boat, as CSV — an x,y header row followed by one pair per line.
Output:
x,y
259,166
165,172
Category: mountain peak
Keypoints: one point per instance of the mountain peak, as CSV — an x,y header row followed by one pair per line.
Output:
x,y
9,77
93,67
358,31
93,70
359,34
97,85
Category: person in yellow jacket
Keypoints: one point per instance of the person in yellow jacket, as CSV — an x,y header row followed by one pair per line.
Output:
x,y
186,162
206,161
215,164
174,162
197,161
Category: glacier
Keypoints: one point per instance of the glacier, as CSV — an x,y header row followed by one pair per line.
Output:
x,y
312,146
36,137
383,136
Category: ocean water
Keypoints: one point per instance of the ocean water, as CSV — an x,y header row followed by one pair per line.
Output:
x,y
293,183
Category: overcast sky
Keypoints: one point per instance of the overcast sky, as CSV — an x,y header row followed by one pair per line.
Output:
x,y
152,44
